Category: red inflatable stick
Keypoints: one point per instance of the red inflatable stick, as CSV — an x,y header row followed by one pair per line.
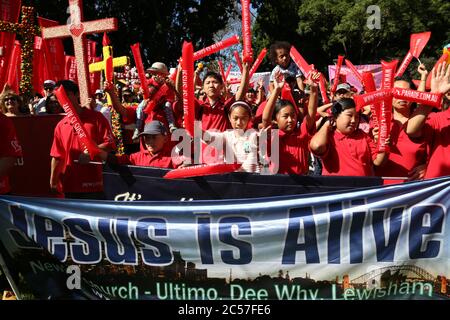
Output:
x,y
323,89
238,59
355,71
385,115
304,67
417,42
202,170
257,62
87,143
369,86
426,98
216,47
222,72
188,87
227,73
163,91
371,97
337,73
136,49
247,32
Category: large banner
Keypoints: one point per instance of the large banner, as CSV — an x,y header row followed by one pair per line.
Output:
x,y
387,242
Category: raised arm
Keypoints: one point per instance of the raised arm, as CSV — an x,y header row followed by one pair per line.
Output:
x,y
116,104
319,141
440,83
243,87
310,116
267,115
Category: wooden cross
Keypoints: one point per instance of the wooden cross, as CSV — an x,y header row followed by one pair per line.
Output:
x,y
77,29
27,30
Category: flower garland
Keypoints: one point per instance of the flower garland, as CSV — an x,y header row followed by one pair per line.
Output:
x,y
117,131
27,30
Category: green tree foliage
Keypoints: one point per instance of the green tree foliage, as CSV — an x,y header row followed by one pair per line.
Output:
x,y
326,28
160,26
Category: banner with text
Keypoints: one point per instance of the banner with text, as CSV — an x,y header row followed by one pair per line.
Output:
x,y
387,242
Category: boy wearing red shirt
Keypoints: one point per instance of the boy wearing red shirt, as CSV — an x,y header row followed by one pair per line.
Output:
x,y
10,149
71,172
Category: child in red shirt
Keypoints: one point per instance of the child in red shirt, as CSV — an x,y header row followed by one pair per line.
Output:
x,y
345,149
293,141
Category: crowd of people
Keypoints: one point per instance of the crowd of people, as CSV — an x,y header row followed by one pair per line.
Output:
x,y
313,138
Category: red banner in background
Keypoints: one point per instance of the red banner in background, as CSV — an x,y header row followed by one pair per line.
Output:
x,y
34,166
14,68
71,69
38,66
54,53
9,11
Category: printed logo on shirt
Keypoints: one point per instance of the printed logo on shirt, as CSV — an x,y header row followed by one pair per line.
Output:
x,y
16,146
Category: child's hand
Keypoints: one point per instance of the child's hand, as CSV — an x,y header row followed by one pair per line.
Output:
x,y
423,71
313,78
278,80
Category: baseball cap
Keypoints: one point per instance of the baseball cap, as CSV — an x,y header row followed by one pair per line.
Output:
x,y
154,127
158,67
343,87
49,84
98,91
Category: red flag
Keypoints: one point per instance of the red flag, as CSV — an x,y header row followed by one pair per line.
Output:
x,y
9,11
14,68
187,65
54,53
417,42
71,69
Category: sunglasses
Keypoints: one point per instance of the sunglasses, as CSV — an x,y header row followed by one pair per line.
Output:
x,y
10,99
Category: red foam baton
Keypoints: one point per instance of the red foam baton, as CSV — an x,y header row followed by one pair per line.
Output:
x,y
216,47
247,32
188,87
257,62
369,86
136,49
371,97
337,73
163,91
75,121
426,98
286,94
323,89
238,59
304,67
404,65
355,71
202,170
227,73
222,72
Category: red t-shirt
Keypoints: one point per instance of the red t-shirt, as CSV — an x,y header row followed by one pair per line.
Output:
x,y
9,147
143,158
405,153
216,116
349,155
437,133
294,150
67,147
129,122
